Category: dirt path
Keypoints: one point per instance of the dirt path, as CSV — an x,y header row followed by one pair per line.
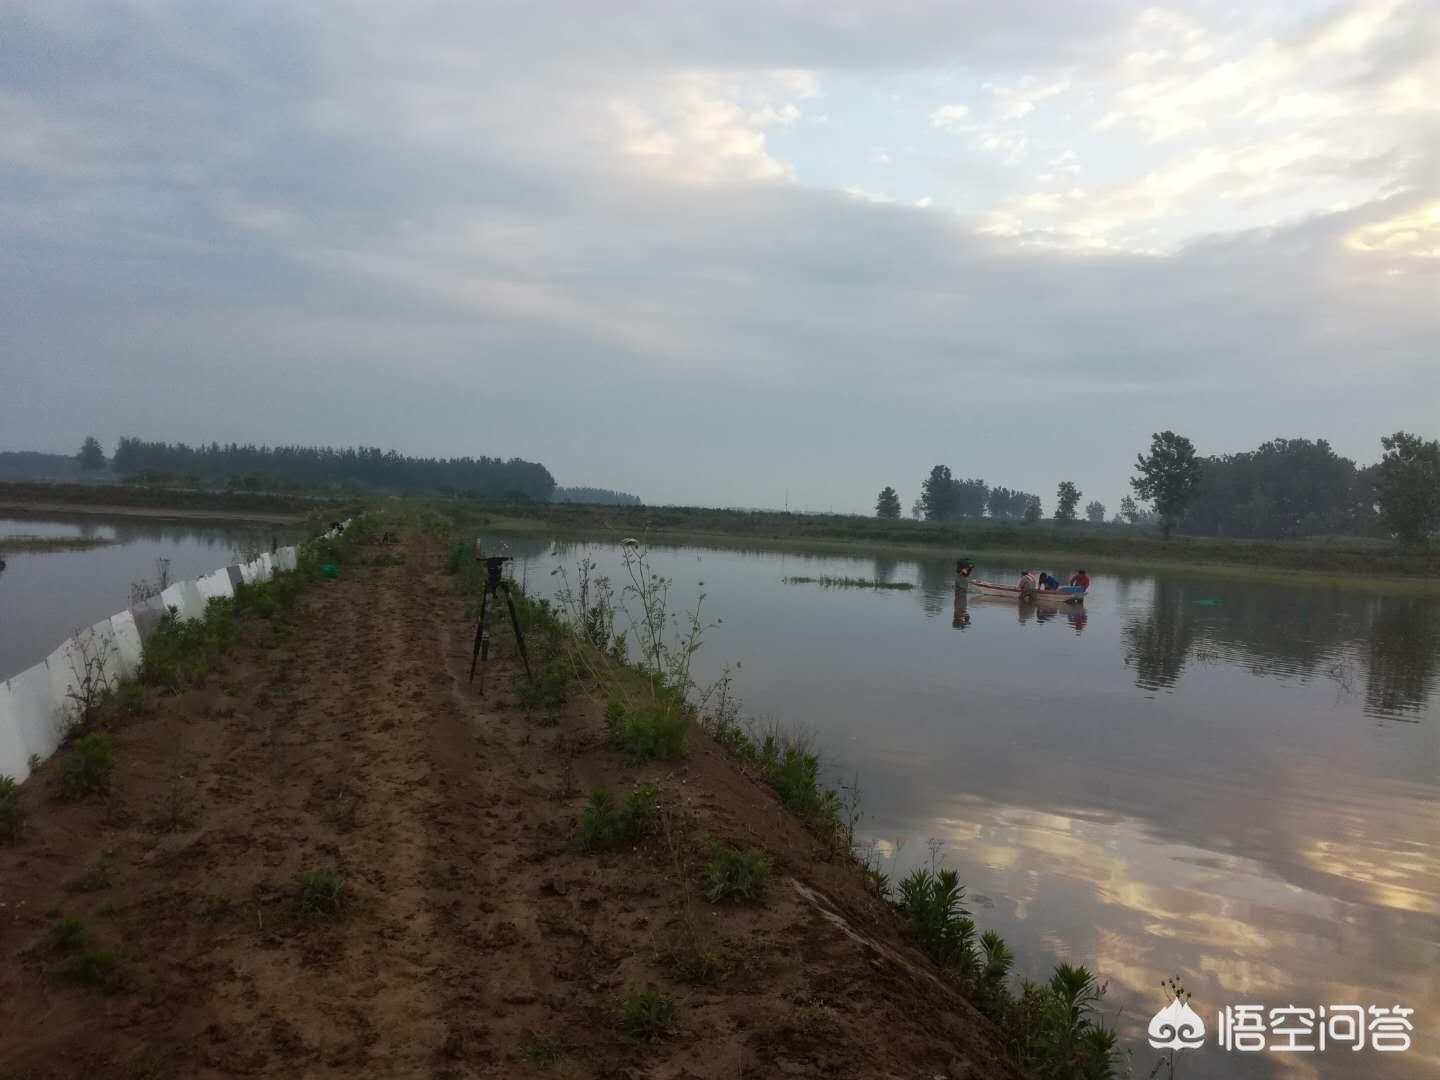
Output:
x,y
478,941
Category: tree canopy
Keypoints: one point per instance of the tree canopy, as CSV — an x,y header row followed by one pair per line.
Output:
x,y
366,466
1067,497
91,455
887,503
1167,476
1407,486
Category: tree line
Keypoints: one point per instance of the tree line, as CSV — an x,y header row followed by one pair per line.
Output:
x,y
249,465
1283,489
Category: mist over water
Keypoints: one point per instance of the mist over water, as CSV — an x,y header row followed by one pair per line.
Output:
x,y
1233,782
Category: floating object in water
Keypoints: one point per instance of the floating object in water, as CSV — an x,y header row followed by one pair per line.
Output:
x,y
1066,594
1208,603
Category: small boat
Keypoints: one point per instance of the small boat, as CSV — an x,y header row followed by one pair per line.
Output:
x,y
1066,594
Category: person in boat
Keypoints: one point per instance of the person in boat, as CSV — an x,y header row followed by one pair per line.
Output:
x,y
1028,581
1081,580
1048,583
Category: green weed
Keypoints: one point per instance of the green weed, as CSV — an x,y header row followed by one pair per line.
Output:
x,y
687,954
318,894
648,732
546,1050
13,811
85,767
646,1014
603,826
85,964
733,876
176,814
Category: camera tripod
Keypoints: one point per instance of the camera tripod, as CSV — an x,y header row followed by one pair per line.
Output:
x,y
494,586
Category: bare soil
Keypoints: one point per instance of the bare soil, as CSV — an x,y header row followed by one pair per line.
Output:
x,y
477,935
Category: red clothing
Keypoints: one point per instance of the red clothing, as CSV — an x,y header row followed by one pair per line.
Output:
x,y
1082,580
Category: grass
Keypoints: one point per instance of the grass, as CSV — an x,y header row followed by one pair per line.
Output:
x,y
13,811
733,876
86,767
827,582
13,545
176,814
1363,563
546,1050
651,731
318,894
85,964
604,827
646,1014
686,953
551,688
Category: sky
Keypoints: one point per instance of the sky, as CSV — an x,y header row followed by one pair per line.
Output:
x,y
743,253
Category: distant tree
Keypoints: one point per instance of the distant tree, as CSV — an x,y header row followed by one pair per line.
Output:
x,y
1168,477
1067,498
937,494
917,509
887,505
92,454
1408,486
1128,510
971,497
1032,509
1095,512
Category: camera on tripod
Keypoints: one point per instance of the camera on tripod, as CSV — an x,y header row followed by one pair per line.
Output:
x,y
495,584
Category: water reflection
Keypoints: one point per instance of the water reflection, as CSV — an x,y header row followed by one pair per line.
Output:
x,y
1181,775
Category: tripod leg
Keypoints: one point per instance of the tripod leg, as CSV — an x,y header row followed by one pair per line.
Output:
x,y
519,636
479,635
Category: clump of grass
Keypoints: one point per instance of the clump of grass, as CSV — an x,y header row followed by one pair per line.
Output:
x,y
86,964
176,814
545,1050
318,894
93,879
687,954
794,774
733,876
648,732
603,826
548,691
646,1014
179,652
86,767
13,810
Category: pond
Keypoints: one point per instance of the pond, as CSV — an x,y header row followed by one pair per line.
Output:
x,y
46,596
1235,783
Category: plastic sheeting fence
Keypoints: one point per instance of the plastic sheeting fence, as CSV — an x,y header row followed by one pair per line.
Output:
x,y
37,705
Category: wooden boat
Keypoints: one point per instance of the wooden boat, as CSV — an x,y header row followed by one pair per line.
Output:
x,y
1064,595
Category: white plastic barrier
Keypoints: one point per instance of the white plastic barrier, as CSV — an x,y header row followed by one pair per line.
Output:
x,y
128,649
216,584
34,705
14,758
37,712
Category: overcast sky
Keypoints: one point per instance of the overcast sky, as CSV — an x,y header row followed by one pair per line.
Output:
x,y
723,252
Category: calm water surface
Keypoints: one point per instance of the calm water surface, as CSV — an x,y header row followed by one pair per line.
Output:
x,y
46,596
1232,782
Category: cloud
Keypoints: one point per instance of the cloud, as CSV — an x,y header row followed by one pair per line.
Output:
x,y
949,116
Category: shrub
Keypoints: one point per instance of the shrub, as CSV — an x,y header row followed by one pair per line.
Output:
x,y
646,1014
546,1050
686,953
794,774
602,826
939,925
549,690
12,810
83,963
648,732
318,894
735,876
86,767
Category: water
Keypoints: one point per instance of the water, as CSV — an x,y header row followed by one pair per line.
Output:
x,y
1232,782
46,596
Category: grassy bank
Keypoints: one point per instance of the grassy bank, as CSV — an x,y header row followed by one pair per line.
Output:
x,y
655,713
1337,562
31,499
13,545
